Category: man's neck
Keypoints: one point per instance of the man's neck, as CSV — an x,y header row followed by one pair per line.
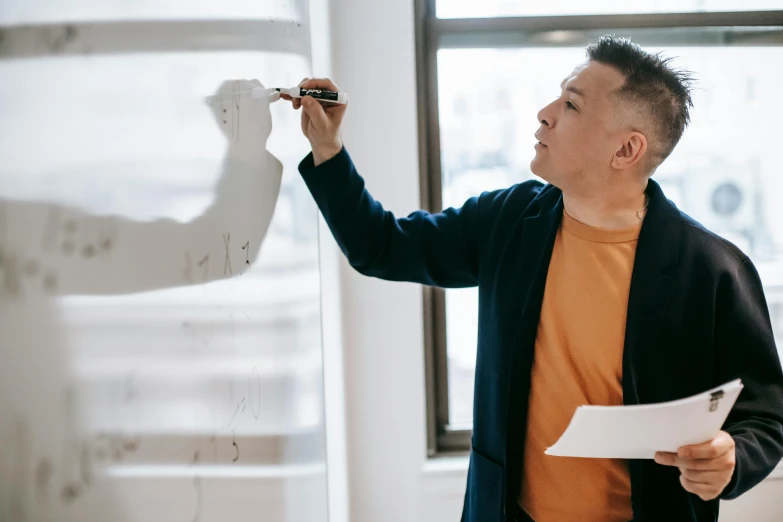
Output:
x,y
612,211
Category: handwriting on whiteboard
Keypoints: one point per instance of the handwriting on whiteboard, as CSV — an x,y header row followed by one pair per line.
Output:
x,y
67,238
61,239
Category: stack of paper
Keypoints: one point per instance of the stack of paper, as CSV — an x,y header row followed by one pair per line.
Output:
x,y
637,432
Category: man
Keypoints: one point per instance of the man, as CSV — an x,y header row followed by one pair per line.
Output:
x,y
593,289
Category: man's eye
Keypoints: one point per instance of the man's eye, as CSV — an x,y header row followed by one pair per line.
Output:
x,y
570,105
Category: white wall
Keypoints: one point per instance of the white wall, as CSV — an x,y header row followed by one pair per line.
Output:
x,y
382,326
390,478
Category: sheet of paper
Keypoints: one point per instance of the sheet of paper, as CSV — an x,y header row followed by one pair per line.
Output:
x,y
637,432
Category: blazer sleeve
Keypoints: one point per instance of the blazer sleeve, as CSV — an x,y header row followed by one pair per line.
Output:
x,y
746,349
433,249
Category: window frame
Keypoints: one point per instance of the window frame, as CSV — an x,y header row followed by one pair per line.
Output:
x,y
735,28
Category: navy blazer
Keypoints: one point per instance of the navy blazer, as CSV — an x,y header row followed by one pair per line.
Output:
x,y
697,318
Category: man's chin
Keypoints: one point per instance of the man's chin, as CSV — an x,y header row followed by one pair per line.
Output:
x,y
539,170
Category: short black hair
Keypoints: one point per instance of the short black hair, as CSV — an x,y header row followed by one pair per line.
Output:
x,y
662,92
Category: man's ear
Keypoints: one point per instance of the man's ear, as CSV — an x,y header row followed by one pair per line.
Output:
x,y
630,152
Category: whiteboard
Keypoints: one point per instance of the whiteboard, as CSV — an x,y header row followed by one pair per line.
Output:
x,y
160,334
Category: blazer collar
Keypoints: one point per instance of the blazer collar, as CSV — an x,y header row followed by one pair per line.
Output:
x,y
659,240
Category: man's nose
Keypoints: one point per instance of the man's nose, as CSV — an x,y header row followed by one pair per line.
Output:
x,y
545,116
543,119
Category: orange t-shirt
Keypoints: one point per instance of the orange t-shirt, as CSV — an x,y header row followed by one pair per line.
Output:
x,y
578,360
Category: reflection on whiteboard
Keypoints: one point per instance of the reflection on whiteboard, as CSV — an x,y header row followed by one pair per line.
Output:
x,y
56,250
49,463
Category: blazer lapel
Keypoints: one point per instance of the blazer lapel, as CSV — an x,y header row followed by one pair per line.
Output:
x,y
657,251
525,292
651,288
536,243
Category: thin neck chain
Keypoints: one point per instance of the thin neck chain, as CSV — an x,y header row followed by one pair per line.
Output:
x,y
639,212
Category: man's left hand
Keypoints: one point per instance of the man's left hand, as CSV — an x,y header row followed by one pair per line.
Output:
x,y
705,469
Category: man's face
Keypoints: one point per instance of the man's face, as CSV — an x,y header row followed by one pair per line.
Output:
x,y
579,133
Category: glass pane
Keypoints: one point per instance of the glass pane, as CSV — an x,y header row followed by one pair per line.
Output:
x,y
58,11
145,357
495,8
724,172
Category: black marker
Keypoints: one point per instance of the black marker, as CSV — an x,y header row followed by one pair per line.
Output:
x,y
318,94
274,95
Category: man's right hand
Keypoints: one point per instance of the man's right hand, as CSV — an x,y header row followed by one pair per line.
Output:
x,y
321,121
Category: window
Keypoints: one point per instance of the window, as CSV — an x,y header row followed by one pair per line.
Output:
x,y
496,8
483,82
